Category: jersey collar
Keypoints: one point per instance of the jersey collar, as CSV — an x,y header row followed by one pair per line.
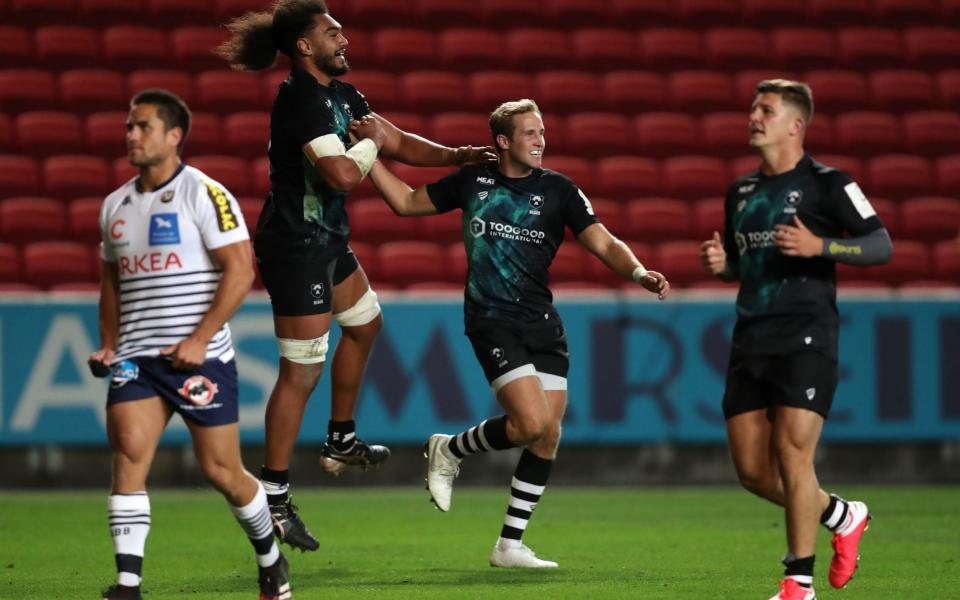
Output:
x,y
162,185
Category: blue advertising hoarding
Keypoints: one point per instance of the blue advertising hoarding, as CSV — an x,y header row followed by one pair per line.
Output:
x,y
640,372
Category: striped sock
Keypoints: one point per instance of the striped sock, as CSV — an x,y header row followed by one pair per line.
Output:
x,y
276,484
488,436
129,518
256,523
799,569
836,513
529,481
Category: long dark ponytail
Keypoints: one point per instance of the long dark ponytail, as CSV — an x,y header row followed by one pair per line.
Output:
x,y
257,36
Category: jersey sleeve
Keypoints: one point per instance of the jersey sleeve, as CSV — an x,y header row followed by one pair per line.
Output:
x,y
577,209
218,216
358,102
447,194
729,236
107,251
850,206
310,117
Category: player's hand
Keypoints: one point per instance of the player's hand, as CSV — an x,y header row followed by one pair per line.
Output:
x,y
369,127
656,283
797,240
712,255
186,355
99,362
469,155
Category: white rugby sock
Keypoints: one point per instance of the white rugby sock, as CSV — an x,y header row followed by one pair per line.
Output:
x,y
256,523
129,518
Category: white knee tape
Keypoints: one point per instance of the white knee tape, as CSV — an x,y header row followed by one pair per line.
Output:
x,y
304,352
365,310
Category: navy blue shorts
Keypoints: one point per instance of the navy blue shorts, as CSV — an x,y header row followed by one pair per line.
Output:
x,y
206,396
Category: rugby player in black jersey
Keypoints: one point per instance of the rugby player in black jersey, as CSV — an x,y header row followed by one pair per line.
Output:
x,y
783,235
302,236
514,218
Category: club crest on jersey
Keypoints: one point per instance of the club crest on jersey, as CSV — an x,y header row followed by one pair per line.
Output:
x,y
792,199
226,220
348,110
317,290
167,196
536,203
164,229
199,390
122,372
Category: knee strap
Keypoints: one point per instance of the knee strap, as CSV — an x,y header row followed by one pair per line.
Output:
x,y
365,310
304,352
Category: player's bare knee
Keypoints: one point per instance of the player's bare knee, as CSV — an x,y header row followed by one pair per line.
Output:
x,y
530,428
222,476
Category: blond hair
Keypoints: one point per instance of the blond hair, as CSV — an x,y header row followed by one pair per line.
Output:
x,y
795,93
501,119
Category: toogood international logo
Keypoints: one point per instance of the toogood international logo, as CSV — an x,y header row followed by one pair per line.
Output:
x,y
477,226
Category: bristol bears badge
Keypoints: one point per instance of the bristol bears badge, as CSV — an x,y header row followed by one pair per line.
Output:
x,y
317,290
199,390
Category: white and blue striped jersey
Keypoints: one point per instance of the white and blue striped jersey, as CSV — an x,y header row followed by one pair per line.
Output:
x,y
160,242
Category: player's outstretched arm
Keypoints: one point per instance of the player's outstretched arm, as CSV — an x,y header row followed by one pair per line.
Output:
x,y
109,315
237,263
404,200
412,149
874,248
620,259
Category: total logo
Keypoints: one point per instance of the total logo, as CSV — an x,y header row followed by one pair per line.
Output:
x,y
479,227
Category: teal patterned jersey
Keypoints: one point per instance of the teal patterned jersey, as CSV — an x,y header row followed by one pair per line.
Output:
x,y
511,229
303,218
788,303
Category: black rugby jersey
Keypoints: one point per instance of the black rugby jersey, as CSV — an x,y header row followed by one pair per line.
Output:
x,y
789,303
303,217
511,229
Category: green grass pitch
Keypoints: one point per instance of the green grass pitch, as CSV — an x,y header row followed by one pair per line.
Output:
x,y
390,543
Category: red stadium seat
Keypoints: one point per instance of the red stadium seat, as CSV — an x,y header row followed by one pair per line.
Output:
x,y
417,176
108,12
106,133
948,175
670,48
459,129
192,47
73,175
610,213
695,176
634,91
621,177
599,134
218,90
743,165
442,229
579,170
18,175
440,14
411,262
931,218
946,258
29,219
455,260
903,89
260,184
381,89
708,12
899,12
889,213
821,134
173,12
206,135
567,12
376,14
933,46
134,47
232,173
251,209
367,257
658,219
835,90
50,263
467,50
746,82
247,133
834,12
26,89
7,136
731,47
949,84
666,133
911,260
488,89
41,133
926,286
765,13
804,48
178,82
509,11
434,287
40,11
83,90
680,262
16,46
643,13
870,47
932,132
123,172
867,133
694,90
901,175
66,46
604,48
725,132
708,217
401,49
83,216
565,91
434,90
569,264
11,267
538,49
411,122
373,222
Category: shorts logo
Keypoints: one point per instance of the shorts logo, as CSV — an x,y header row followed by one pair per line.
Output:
x,y
167,196
164,229
497,355
199,390
317,290
811,392
226,220
124,371
807,340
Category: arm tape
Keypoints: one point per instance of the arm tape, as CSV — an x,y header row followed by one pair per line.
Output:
x,y
327,145
874,248
364,153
